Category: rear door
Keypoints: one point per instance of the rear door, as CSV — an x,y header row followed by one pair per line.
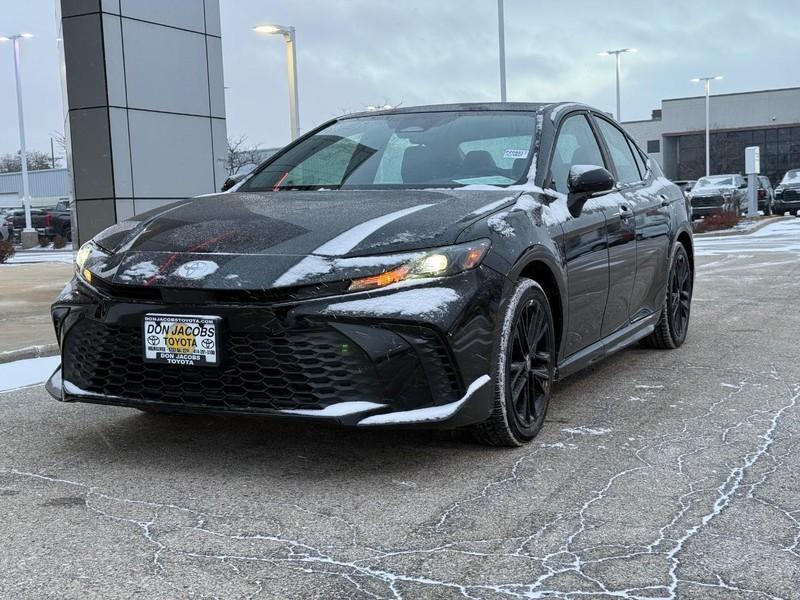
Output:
x,y
585,238
649,200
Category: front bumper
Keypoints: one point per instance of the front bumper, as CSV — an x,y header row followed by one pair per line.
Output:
x,y
408,356
782,206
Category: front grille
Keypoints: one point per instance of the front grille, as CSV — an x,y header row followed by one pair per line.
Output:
x,y
790,195
309,369
707,201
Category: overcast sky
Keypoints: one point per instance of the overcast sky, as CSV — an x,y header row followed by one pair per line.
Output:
x,y
352,53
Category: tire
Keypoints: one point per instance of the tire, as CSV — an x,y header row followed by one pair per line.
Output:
x,y
673,323
514,423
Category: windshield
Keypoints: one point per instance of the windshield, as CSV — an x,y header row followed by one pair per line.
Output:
x,y
792,176
436,149
715,181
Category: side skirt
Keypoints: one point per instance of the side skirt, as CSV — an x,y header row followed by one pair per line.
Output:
x,y
615,342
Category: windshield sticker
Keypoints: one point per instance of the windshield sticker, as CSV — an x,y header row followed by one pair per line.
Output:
x,y
512,153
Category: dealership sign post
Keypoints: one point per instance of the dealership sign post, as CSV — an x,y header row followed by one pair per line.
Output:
x,y
752,166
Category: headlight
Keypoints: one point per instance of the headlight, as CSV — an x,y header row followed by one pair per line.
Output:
x,y
439,262
779,189
85,253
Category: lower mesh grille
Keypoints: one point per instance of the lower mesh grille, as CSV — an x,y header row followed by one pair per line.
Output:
x,y
309,369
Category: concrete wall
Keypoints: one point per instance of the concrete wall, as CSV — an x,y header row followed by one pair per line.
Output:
x,y
144,102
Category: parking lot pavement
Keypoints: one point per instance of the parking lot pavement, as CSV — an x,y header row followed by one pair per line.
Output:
x,y
27,292
658,475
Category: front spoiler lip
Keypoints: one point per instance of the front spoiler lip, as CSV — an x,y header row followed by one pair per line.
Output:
x,y
447,416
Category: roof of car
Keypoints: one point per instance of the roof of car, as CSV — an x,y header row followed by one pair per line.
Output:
x,y
467,106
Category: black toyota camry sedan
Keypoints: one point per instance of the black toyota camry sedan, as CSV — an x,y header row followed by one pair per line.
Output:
x,y
435,266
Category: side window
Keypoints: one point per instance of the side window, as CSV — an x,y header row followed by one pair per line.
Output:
x,y
640,161
576,145
621,155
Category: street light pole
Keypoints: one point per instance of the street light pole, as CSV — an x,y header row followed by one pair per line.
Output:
x,y
288,34
617,54
707,84
29,236
501,34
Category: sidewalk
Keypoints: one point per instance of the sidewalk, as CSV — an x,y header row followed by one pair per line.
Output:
x,y
26,292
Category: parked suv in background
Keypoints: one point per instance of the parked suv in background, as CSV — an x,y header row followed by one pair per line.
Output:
x,y
61,221
766,195
787,194
726,193
40,221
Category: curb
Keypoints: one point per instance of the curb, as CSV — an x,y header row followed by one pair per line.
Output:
x,y
38,351
727,232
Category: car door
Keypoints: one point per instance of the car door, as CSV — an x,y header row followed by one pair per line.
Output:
x,y
646,197
584,239
621,223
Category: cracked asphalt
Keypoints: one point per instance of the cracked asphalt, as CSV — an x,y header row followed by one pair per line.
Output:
x,y
658,475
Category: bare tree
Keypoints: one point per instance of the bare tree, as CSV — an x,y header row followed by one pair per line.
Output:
x,y
12,163
61,144
239,154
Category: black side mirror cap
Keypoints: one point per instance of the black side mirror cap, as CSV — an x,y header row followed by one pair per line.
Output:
x,y
584,182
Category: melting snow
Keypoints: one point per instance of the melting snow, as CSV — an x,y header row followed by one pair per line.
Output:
x,y
196,269
339,409
490,207
499,225
586,430
308,267
142,270
345,242
429,302
426,415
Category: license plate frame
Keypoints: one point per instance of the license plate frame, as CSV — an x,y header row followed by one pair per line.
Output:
x,y
181,339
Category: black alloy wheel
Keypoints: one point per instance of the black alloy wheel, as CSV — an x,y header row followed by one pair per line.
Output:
x,y
673,325
525,371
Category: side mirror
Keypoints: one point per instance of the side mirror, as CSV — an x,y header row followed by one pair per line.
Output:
x,y
584,182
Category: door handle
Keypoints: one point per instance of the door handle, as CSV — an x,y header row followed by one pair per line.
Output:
x,y
625,212
665,201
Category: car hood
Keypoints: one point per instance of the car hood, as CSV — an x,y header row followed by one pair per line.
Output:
x,y
263,240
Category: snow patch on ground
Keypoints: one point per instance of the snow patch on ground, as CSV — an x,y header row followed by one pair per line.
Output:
x,y
429,302
586,430
24,373
426,415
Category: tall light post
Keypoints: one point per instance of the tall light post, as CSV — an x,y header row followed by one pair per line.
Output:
x,y
29,236
501,35
288,36
707,83
616,54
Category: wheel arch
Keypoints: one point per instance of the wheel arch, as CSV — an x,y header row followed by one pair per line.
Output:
x,y
542,268
685,238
